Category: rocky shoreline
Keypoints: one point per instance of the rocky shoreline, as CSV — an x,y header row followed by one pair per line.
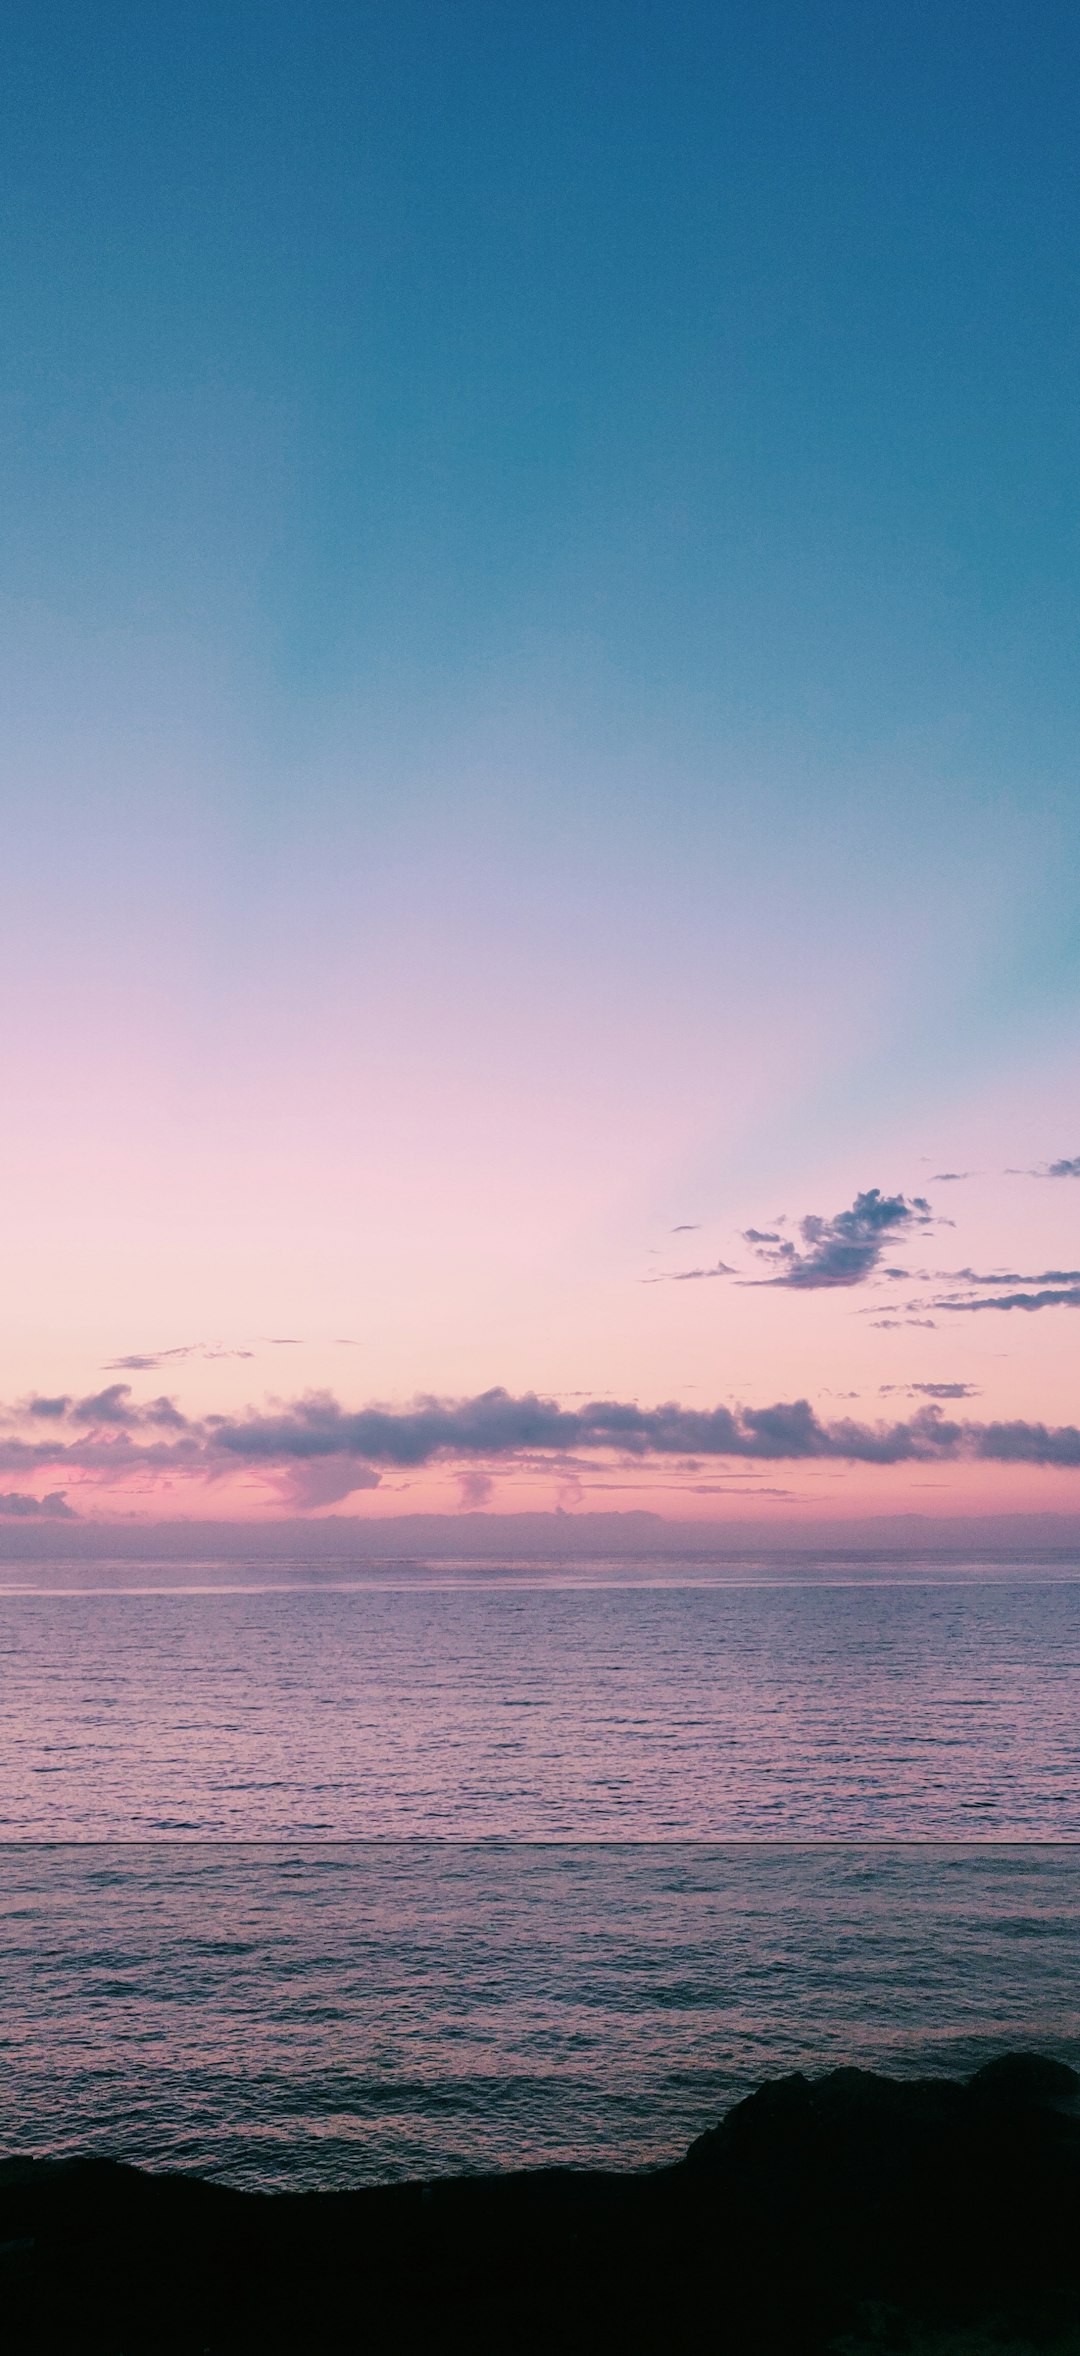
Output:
x,y
847,2213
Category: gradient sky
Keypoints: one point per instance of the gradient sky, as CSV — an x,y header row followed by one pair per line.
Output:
x,y
539,577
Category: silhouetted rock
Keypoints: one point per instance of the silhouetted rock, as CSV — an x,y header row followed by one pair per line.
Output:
x,y
1020,2079
846,2212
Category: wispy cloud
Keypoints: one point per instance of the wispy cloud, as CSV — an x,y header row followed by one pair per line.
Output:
x,y
1012,1276
929,1390
895,1324
944,1390
1053,1288
1067,1167
690,1275
1053,1297
148,1362
844,1250
475,1489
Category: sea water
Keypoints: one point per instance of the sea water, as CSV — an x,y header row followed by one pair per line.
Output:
x,y
336,1881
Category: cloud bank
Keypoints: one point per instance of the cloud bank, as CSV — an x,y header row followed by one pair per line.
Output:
x,y
335,1449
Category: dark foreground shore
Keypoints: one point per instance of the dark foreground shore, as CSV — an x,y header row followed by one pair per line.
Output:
x,y
846,2213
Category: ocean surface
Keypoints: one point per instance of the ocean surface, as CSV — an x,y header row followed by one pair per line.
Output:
x,y
331,1880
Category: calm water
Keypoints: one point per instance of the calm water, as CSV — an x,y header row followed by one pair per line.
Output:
x,y
321,1885
530,1710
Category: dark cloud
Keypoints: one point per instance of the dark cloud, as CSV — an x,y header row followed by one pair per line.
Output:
x,y
950,1177
16,1505
48,1409
690,1275
688,1227
759,1235
841,1251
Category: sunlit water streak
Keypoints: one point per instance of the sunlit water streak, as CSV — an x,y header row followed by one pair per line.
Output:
x,y
728,1840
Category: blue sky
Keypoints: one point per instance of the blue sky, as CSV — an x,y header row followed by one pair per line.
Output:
x,y
539,586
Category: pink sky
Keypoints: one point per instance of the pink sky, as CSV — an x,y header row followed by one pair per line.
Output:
x,y
238,1277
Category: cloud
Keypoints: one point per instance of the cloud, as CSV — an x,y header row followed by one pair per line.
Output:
x,y
950,1177
1052,1288
1054,1297
475,1490
894,1324
16,1505
841,1251
114,1406
138,1362
1069,1167
690,1275
759,1235
498,1425
945,1390
1011,1276
688,1227
326,1481
324,1451
1028,1443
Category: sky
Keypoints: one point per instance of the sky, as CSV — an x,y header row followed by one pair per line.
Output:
x,y
538,627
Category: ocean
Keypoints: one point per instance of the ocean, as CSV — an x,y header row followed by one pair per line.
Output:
x,y
333,1879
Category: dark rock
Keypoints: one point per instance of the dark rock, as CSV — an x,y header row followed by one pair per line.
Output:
x,y
1020,2079
928,2206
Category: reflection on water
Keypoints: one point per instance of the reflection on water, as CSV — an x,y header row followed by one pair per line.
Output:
x,y
342,2014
